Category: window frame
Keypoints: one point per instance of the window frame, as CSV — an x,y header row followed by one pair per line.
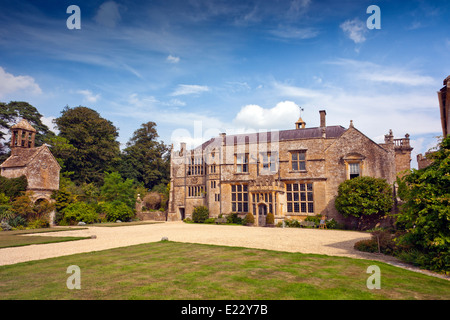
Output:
x,y
300,198
299,162
241,163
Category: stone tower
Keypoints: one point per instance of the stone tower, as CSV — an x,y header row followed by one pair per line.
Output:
x,y
22,136
444,106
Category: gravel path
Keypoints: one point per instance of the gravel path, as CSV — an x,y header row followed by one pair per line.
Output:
x,y
330,242
318,241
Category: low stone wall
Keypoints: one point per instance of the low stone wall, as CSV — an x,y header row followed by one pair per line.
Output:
x,y
151,215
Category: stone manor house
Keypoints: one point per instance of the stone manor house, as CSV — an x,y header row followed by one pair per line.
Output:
x,y
291,173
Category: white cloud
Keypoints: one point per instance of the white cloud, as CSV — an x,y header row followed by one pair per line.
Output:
x,y
369,71
108,14
184,89
355,30
10,84
89,96
173,59
295,33
255,117
48,121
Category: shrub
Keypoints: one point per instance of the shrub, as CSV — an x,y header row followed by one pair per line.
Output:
x,y
17,222
38,223
210,220
292,223
80,211
152,200
363,196
200,214
367,245
234,219
13,187
249,219
117,210
425,213
22,206
316,219
270,218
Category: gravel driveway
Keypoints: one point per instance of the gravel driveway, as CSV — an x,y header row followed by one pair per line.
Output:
x,y
329,242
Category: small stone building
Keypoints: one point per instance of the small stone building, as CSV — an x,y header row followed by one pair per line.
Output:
x,y
291,173
37,164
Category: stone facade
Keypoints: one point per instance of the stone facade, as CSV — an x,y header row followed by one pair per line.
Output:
x,y
444,108
291,173
37,164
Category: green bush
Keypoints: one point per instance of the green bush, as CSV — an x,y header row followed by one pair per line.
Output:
x,y
316,219
367,245
270,218
200,214
249,219
17,222
425,213
363,196
292,223
38,223
234,218
117,210
210,220
13,187
79,211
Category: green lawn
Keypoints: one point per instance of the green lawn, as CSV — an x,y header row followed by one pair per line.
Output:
x,y
171,270
15,239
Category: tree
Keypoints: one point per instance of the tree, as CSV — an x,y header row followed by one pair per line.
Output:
x,y
145,159
12,113
94,140
425,213
115,188
60,148
364,196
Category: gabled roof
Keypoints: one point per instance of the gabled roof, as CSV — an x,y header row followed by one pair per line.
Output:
x,y
332,132
23,156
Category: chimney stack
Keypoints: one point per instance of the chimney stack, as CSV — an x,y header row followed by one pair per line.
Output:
x,y
323,114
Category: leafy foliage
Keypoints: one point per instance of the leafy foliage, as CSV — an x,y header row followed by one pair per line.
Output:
x,y
117,210
363,196
249,218
117,189
425,213
270,218
79,211
200,214
145,159
14,111
94,140
13,187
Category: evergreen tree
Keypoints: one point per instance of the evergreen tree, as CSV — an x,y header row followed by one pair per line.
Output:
x,y
93,138
145,159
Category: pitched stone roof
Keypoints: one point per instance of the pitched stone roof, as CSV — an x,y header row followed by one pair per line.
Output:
x,y
24,124
332,132
21,157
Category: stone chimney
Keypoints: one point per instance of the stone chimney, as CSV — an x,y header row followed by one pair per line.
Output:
x,y
323,115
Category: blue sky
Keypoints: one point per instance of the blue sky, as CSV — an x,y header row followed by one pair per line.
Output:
x,y
201,67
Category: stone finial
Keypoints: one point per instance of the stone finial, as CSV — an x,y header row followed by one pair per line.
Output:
x,y
351,124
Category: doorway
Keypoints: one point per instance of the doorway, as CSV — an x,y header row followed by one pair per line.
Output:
x,y
182,215
262,213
